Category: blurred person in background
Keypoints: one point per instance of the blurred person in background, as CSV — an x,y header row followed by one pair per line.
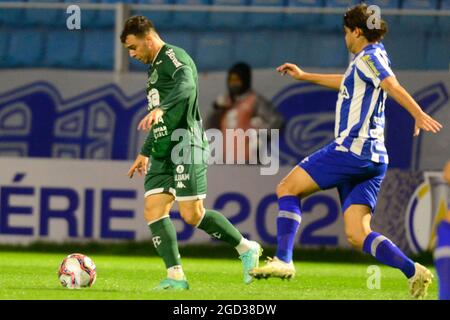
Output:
x,y
442,251
244,108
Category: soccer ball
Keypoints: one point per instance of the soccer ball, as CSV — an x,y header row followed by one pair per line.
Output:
x,y
77,270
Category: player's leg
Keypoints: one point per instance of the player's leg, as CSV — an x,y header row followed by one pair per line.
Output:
x,y
218,226
357,219
442,251
358,203
190,188
159,199
298,184
442,257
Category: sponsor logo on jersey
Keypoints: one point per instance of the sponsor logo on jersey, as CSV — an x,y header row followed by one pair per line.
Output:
x,y
154,77
174,59
370,65
180,168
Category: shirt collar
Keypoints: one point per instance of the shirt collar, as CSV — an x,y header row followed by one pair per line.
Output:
x,y
157,54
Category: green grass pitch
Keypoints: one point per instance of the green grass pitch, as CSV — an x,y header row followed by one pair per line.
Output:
x,y
26,275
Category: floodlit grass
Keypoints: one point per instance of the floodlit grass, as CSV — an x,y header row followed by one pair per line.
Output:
x,y
25,275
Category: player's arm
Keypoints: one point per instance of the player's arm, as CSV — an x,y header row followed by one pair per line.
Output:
x,y
183,87
332,81
399,94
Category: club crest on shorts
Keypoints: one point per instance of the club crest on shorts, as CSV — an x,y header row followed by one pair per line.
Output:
x,y
180,168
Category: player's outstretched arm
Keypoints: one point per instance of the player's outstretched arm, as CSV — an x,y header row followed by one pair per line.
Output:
x,y
332,81
399,94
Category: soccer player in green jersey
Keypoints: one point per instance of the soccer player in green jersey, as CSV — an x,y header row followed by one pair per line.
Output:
x,y
172,92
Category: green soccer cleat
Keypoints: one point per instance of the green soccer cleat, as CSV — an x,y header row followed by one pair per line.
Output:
x,y
172,284
250,260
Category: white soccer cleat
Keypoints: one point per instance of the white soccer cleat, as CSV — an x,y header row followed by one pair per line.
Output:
x,y
274,268
419,283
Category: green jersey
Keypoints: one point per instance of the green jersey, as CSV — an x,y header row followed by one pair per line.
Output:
x,y
172,86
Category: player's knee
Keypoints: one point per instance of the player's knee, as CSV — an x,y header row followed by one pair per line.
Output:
x,y
355,238
283,189
153,213
191,216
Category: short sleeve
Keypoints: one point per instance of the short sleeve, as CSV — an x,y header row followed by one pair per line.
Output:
x,y
374,67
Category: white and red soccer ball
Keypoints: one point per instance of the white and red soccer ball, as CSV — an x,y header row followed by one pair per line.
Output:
x,y
77,270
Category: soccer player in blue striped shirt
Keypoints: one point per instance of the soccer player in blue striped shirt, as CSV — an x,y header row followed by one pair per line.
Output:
x,y
356,161
442,251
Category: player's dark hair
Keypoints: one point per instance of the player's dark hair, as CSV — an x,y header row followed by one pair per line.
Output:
x,y
359,17
138,26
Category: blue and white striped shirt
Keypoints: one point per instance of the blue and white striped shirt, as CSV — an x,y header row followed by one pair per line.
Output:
x,y
360,106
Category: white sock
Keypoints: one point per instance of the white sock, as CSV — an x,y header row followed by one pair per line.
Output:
x,y
243,246
176,273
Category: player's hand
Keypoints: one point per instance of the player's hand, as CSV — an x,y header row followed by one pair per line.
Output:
x,y
153,117
140,165
292,70
427,123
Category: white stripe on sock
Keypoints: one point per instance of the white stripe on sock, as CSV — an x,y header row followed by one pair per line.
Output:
x,y
442,252
375,243
290,215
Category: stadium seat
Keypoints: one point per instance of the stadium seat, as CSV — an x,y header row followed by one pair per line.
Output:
x,y
255,48
303,20
161,19
63,49
25,48
266,20
418,23
329,50
214,51
45,17
191,19
444,21
4,38
106,18
406,50
11,17
228,20
312,49
182,39
438,52
335,21
294,47
97,50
